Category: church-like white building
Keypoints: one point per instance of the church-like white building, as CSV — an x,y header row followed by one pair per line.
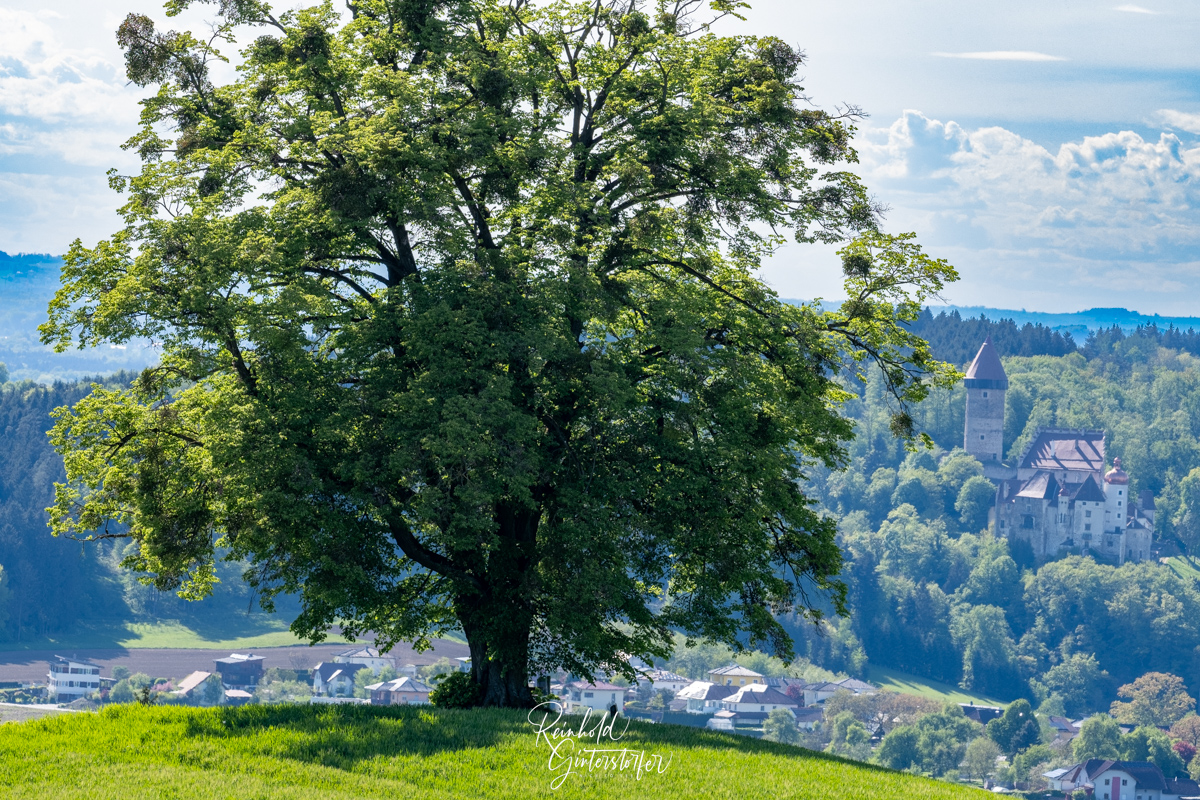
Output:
x,y
1057,495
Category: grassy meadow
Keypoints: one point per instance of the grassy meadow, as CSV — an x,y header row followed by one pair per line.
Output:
x,y
928,688
343,752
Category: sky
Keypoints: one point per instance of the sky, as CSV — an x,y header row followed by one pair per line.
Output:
x,y
1049,150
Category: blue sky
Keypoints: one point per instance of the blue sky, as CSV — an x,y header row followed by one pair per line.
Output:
x,y
1050,150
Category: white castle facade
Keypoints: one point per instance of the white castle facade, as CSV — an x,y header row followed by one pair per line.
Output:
x,y
1057,495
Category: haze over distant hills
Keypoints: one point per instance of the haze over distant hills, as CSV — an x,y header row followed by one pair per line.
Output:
x,y
28,282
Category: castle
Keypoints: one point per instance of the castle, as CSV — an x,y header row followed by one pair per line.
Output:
x,y
1057,495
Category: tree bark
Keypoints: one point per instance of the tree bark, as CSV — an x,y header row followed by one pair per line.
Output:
x,y
498,635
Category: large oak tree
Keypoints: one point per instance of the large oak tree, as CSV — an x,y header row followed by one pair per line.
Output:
x,y
460,326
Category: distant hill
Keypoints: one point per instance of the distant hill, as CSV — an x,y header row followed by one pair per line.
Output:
x,y
1078,323
28,281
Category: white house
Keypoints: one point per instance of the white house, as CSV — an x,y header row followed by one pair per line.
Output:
x,y
367,656
400,692
70,679
661,679
735,675
755,700
704,697
821,691
334,679
598,696
1120,780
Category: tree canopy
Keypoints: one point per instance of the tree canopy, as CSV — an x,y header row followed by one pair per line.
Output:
x,y
461,327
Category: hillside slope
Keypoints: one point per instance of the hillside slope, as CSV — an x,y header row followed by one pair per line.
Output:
x,y
334,752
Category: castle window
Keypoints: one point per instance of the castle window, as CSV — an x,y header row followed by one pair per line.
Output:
x,y
985,394
1087,513
1027,521
981,437
1087,527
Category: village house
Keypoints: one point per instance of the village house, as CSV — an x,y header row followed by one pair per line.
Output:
x,y
1104,779
734,675
598,696
70,679
819,692
367,657
192,687
240,671
661,679
704,697
753,703
334,679
399,692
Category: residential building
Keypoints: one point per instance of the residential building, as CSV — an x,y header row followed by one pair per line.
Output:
x,y
598,696
399,692
192,687
237,697
734,675
70,679
754,702
1106,779
704,697
334,679
367,657
240,671
662,679
821,691
981,714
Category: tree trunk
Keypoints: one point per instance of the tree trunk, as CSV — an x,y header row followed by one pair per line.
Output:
x,y
498,635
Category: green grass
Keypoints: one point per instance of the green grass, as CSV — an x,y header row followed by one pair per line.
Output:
x,y
924,687
168,633
1183,568
343,752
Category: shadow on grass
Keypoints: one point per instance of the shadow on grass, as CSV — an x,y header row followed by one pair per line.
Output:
x,y
342,736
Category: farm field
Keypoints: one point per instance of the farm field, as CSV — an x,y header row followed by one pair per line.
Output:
x,y
342,752
924,687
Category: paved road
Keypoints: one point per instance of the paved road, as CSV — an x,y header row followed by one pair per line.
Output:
x,y
32,665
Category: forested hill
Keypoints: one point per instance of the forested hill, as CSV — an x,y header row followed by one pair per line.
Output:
x,y
932,593
52,586
956,340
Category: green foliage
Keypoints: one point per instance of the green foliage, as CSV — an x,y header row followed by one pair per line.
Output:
x,y
973,501
435,672
780,726
362,679
284,691
1146,743
762,663
397,359
941,740
900,748
1154,699
421,753
1026,764
1187,515
1099,737
120,673
698,659
1016,729
979,762
1078,681
457,690
214,692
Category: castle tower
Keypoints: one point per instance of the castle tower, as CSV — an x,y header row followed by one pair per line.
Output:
x,y
986,384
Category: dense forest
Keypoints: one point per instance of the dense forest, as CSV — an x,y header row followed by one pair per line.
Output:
x,y
49,586
934,594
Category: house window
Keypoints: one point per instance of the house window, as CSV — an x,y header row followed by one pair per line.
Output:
x,y
1087,513
981,437
1118,504
762,708
1087,527
587,694
985,394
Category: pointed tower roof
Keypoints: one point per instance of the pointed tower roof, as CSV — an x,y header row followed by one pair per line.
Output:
x,y
986,371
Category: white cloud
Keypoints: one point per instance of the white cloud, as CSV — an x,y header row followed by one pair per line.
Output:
x,y
1132,9
1002,55
1179,119
1105,220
